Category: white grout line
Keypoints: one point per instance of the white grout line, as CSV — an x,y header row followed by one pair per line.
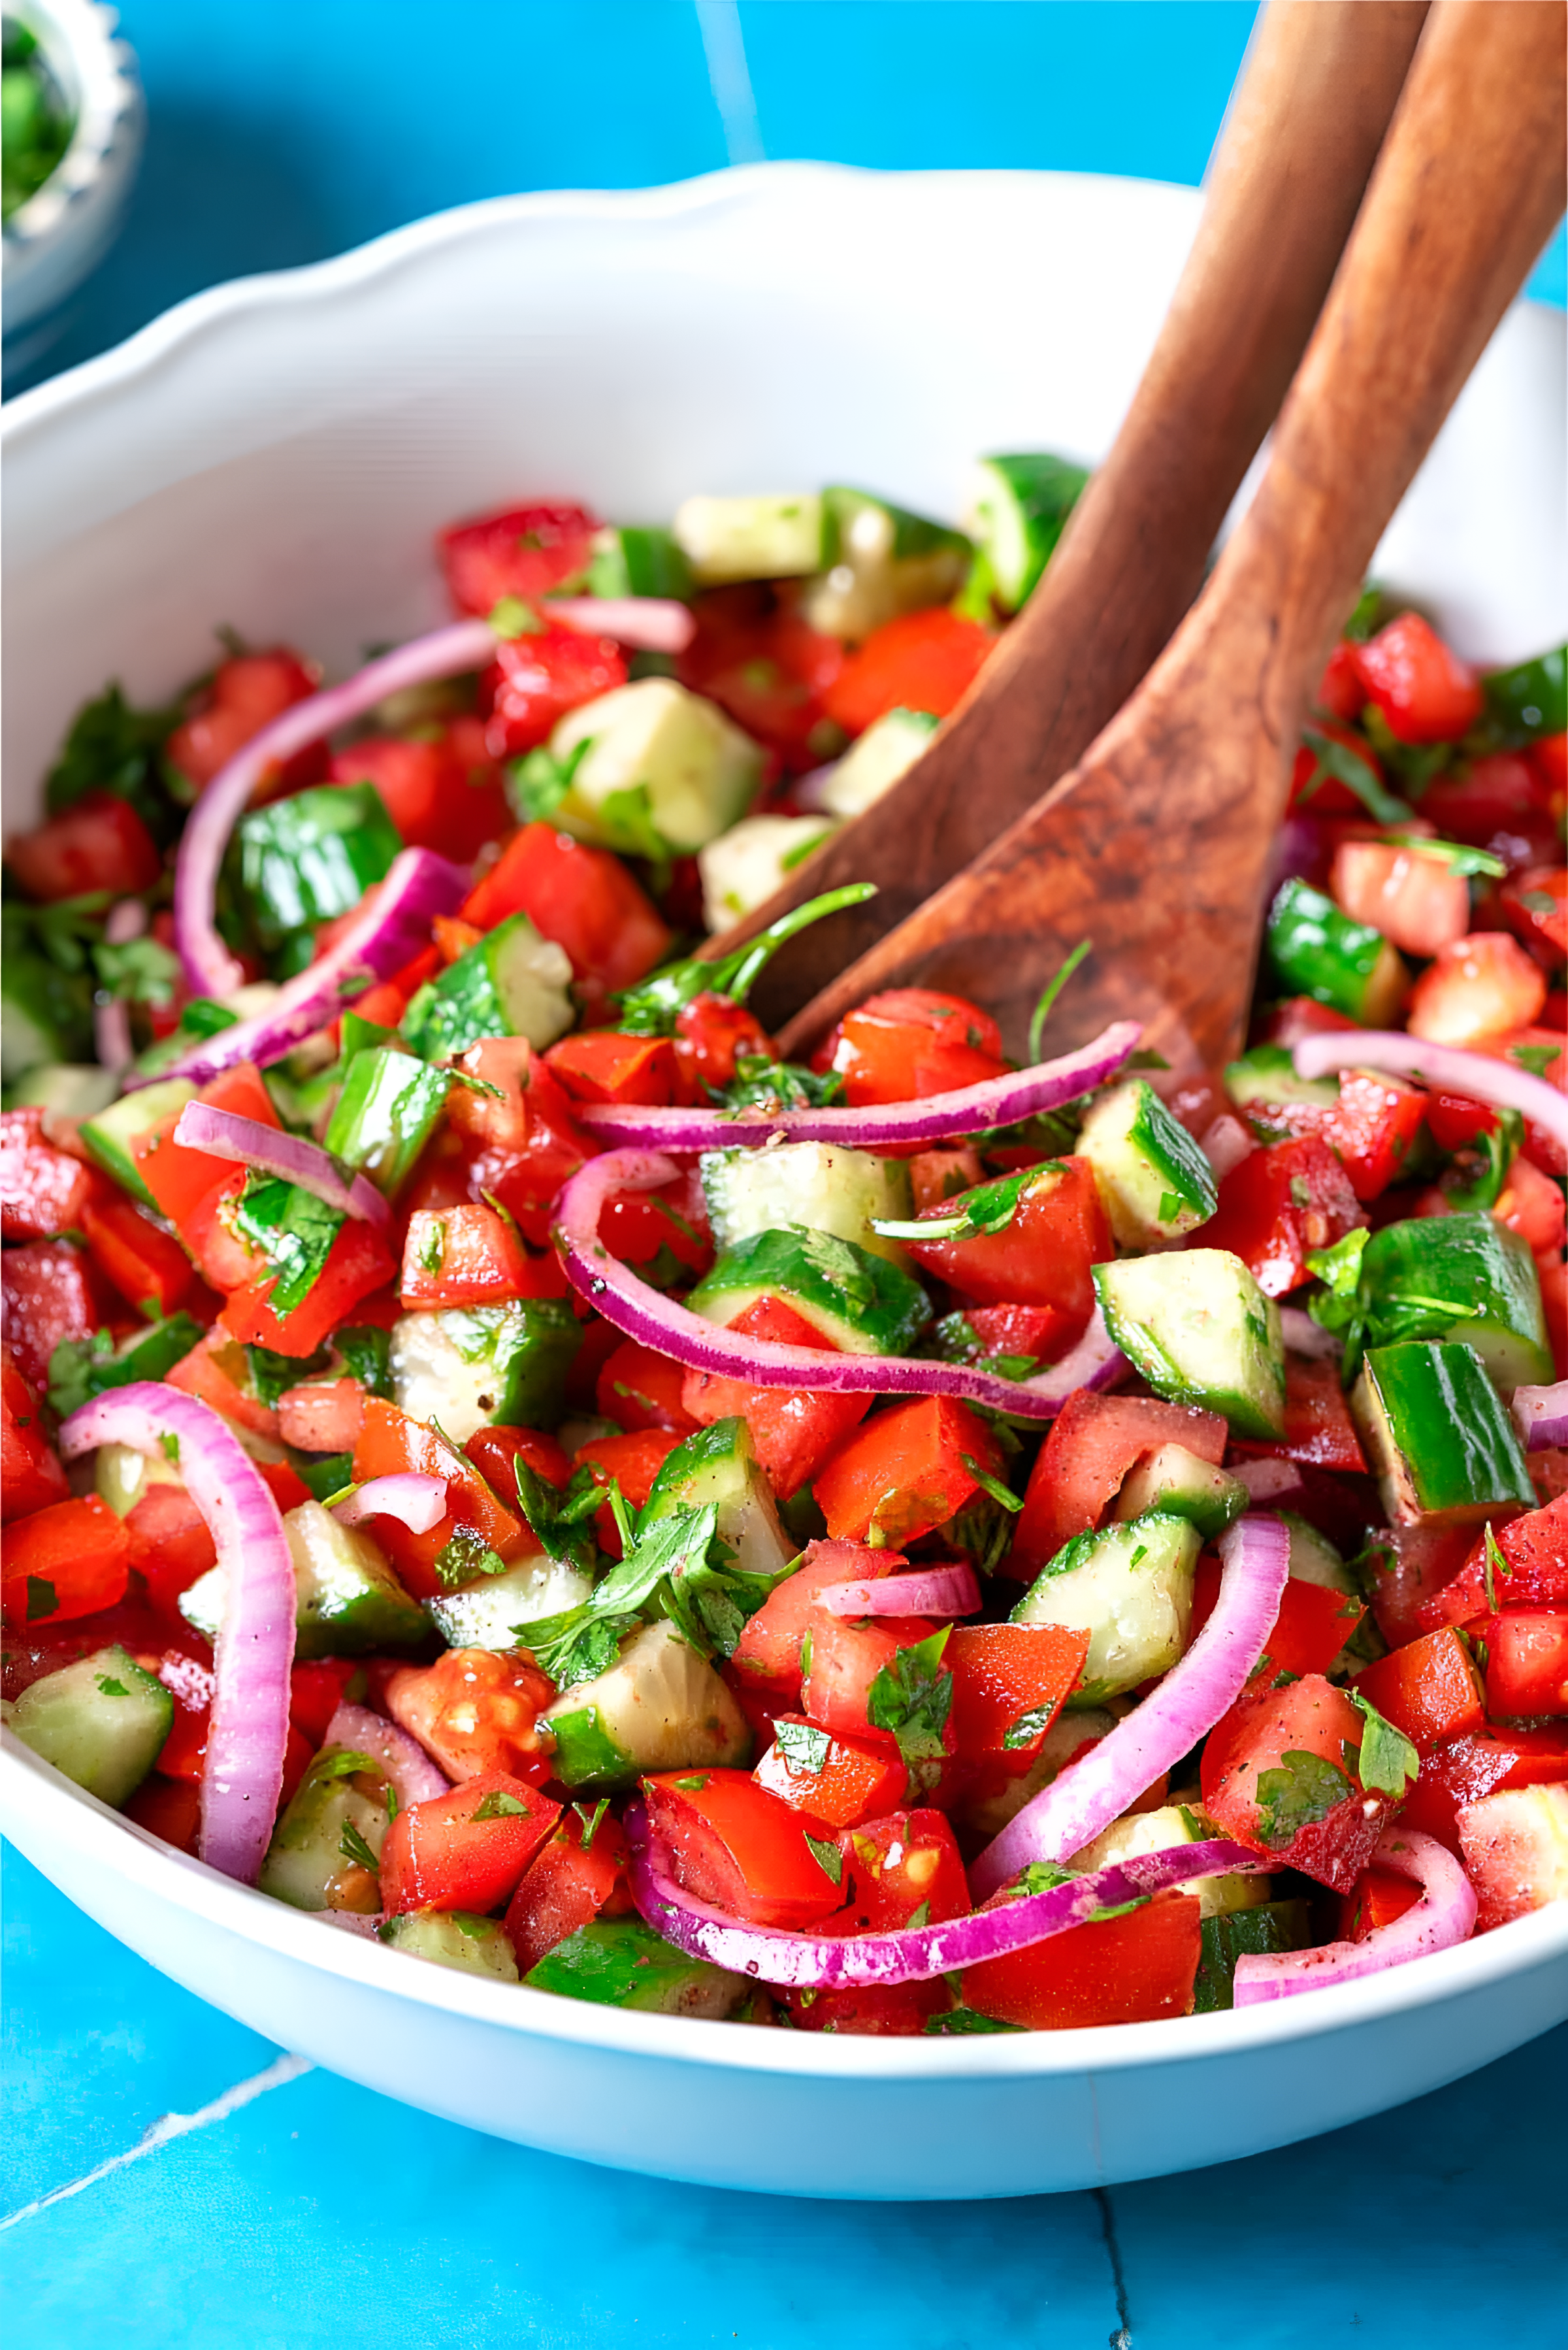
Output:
x,y
730,78
173,2126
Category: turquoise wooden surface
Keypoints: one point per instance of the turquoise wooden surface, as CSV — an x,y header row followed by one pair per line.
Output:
x,y
169,2178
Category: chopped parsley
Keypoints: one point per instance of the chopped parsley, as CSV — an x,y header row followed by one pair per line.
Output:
x,y
500,1805
827,1857
353,1847
1302,1789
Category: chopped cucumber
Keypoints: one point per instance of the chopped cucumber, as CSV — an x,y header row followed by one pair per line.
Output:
x,y
1313,1559
122,1475
511,983
1161,1830
860,1303
1017,510
348,1600
384,1115
1130,1588
334,1807
1198,1329
1172,1479
621,1962
751,538
68,1089
877,759
112,1133
1268,1074
1438,1438
1464,1277
471,1366
46,1014
660,769
1272,1926
819,1184
1314,949
1155,1182
658,1708
717,1464
745,865
101,1720
496,1611
81,1369
880,560
453,1937
310,857
633,561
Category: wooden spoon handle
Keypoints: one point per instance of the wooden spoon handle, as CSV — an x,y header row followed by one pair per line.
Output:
x,y
1287,176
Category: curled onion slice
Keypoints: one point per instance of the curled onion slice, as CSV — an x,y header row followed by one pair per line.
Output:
x,y
1109,1780
1541,1415
414,1777
226,1135
415,1500
1475,1076
950,1590
242,1776
656,1321
910,1953
653,624
999,1101
1444,1914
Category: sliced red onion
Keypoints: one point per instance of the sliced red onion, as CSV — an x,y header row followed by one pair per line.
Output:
x,y
415,1500
354,1921
656,1321
913,1953
242,1777
999,1101
1475,1076
1272,1483
210,968
414,1777
935,1591
1225,1144
1541,1415
1444,1914
651,624
271,1151
1304,1337
1091,1792
388,934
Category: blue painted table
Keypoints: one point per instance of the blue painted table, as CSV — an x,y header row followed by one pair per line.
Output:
x,y
173,2179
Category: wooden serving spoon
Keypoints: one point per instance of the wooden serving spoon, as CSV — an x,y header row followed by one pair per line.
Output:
x,y
1157,846
1287,176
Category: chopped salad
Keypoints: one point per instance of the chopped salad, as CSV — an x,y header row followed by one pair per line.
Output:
x,y
903,1542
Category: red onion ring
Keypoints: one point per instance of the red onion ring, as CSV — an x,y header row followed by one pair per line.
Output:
x,y
1444,1914
824,1961
1304,1337
1272,1484
225,1134
414,1777
1541,1415
1109,1780
999,1101
950,1590
1475,1076
651,624
656,1321
418,886
414,1498
242,1777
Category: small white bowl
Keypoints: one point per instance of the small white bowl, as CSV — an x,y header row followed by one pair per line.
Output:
x,y
60,235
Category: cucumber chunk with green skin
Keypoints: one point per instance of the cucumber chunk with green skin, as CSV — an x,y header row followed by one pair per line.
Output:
x,y
46,1014
1268,1074
654,768
726,539
337,1813
1313,1559
880,560
101,1720
1130,1588
384,1115
122,1475
1172,1479
660,1707
621,1962
511,983
112,1133
1198,1329
1017,509
309,857
1437,1436
637,561
1465,1277
1314,949
69,1089
819,1184
745,865
347,1601
717,1464
496,1611
453,1937
1250,1933
859,1302
1161,1830
472,1367
1155,1182
875,761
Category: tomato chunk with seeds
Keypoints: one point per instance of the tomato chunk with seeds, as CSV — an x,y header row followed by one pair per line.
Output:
x,y
1280,1204
465,1850
51,1292
1480,1764
1423,690
1527,1663
578,1874
475,1711
389,1442
902,1871
31,1476
769,1650
523,551
736,1844
1532,1572
42,1189
534,680
584,899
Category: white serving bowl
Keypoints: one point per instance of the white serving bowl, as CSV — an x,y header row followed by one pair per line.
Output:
x,y
275,456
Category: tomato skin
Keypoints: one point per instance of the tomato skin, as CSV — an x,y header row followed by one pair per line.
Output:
x,y
1309,1718
1527,1662
1477,988
99,843
523,1148
1003,1672
633,1462
738,1845
180,1178
599,1065
150,1271
1533,1574
494,1452
1371,1128
316,1691
1419,903
357,1263
476,1711
1130,1970
1429,1689
534,681
637,1226
437,1857
768,670
904,1473
570,1881
584,899
247,693
1536,904
640,1388
1483,1762
1504,794
882,2012
1340,690
1311,1629
1280,1204
31,1476
1319,1429
1043,1257
465,1255
1327,796
523,551
912,1043
1376,1899
862,1775
444,794
387,1001
709,1033
389,1442
78,1549
42,1191
896,1866
921,660
768,1652
1094,1441
846,1658
171,1546
1424,690
216,1371
169,1808
51,1292
792,1430
1415,1563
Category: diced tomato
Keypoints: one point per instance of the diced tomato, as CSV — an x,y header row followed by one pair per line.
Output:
x,y
839,1779
184,1752
911,1044
31,1476
70,1559
1302,1015
883,2011
170,1546
1278,1774
735,1844
1527,1662
922,660
1421,904
575,1877
1132,1968
287,1488
1043,1256
1311,1629
316,1690
1370,1129
631,1461
1532,1205
523,551
1094,1441
466,1255
1319,1429
1549,756
444,792
1515,1849
584,899
247,693
216,1372
1534,1573
1312,788
1476,1765
769,1648
465,1850
1411,1564
523,1147
181,1179
496,1451
534,681
51,1293
768,670
149,1269
1022,1332
710,1032
640,1388
98,843
639,1227
357,1263
1536,904
599,1065
169,1808
846,1658
1429,1689
322,1415
42,1191
1477,988
1340,690
476,1711
910,1468
1009,1682
1500,794
1280,1204
1424,690
900,1870
1553,1275
792,1430
938,1175
1376,1899
387,1003
389,1442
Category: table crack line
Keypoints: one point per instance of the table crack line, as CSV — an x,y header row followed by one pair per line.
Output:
x,y
170,2127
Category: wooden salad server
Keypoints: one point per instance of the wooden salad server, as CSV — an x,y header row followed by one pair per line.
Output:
x,y
1288,173
1157,846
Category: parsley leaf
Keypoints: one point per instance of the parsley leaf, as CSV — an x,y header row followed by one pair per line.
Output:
x,y
1535,1059
1358,774
1049,993
1303,1789
110,1687
537,783
652,1007
353,1847
345,1764
577,1646
1039,1877
292,1230
1389,1763
1002,1495
499,1805
958,2022
42,1597
557,1518
912,1696
465,1558
142,970
987,1208
827,1857
760,1084
804,1747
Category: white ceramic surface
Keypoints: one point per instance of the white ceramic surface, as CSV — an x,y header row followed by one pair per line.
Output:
x,y
275,456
